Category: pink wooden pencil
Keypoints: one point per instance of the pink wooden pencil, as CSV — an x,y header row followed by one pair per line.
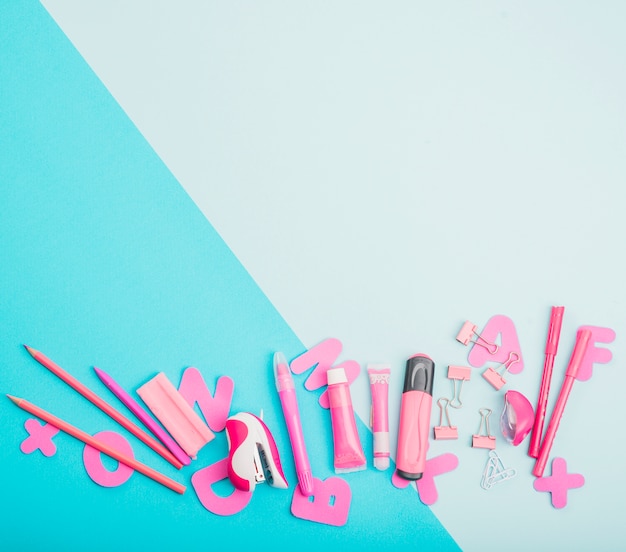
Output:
x,y
99,445
104,406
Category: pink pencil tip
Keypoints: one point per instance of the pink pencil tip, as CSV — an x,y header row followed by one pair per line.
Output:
x,y
14,399
29,349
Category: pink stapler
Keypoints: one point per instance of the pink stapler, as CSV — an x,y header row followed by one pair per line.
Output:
x,y
252,453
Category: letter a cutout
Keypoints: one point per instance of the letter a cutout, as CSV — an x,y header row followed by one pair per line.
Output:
x,y
503,327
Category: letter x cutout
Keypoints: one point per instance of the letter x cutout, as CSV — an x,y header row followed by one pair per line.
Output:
x,y
40,437
559,482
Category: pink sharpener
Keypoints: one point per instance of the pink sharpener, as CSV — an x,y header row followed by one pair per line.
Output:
x,y
517,418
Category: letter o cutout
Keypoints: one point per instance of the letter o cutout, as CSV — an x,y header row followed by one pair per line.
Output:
x,y
92,458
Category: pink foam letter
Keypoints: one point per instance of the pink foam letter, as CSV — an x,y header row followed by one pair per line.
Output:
x,y
594,354
214,408
229,505
435,466
426,488
498,325
329,504
322,356
40,437
92,458
559,483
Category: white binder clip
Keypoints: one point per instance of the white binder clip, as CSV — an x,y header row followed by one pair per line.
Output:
x,y
445,431
484,440
495,378
465,336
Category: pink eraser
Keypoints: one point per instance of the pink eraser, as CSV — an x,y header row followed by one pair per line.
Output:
x,y
459,372
173,411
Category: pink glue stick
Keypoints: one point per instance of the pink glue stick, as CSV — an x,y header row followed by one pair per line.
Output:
x,y
349,455
379,419
415,407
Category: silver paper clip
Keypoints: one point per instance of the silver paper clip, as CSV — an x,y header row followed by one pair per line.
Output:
x,y
495,472
445,431
485,440
495,378
465,336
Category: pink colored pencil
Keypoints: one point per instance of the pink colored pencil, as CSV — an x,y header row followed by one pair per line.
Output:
x,y
99,445
143,416
104,406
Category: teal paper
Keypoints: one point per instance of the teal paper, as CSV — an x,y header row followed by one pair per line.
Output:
x,y
107,262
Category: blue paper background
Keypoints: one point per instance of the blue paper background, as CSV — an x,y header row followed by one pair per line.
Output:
x,y
106,261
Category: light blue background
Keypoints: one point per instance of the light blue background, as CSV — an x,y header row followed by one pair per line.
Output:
x,y
384,172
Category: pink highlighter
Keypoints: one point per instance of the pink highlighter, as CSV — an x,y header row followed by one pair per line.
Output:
x,y
415,407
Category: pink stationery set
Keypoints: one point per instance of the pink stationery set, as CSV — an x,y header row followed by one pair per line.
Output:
x,y
253,453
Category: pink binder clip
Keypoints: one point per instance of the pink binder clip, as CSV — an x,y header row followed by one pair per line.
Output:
x,y
496,379
458,374
465,336
445,431
485,440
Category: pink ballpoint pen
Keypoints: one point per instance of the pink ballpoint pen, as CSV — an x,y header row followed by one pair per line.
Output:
x,y
287,393
582,341
552,343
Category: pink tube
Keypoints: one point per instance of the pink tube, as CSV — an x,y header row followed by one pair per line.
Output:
x,y
379,386
349,454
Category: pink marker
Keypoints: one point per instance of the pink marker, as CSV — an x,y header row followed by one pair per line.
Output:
x,y
287,393
582,340
415,407
143,416
552,343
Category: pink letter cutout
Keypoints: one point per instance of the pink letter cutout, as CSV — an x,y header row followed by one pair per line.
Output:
x,y
595,354
323,355
426,487
503,326
92,458
329,504
202,481
559,483
215,408
40,437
